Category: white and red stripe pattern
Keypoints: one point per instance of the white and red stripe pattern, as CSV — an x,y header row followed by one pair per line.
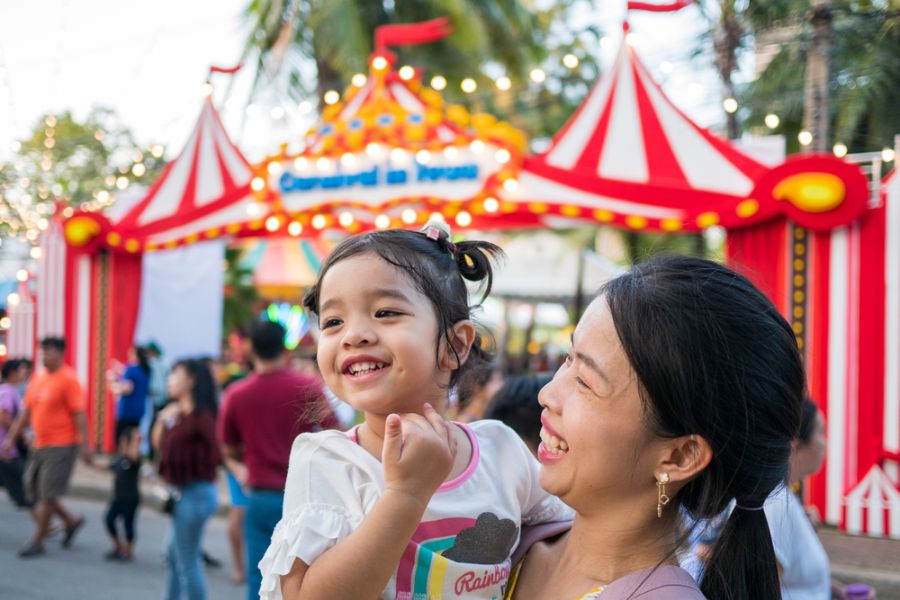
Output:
x,y
51,282
854,361
628,143
21,342
209,175
873,506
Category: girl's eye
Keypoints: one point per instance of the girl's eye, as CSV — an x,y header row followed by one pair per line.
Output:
x,y
327,323
385,313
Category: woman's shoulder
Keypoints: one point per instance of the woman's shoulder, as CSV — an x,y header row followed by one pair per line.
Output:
x,y
665,582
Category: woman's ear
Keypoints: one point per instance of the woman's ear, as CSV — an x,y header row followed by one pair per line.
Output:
x,y
462,336
684,458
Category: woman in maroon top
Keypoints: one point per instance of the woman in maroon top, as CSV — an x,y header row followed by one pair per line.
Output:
x,y
185,437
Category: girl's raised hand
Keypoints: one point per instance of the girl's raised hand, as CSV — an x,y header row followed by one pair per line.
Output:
x,y
418,453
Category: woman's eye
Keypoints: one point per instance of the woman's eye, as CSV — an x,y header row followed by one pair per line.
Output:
x,y
581,383
568,359
327,323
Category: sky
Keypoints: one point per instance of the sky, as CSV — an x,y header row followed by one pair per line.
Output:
x,y
149,60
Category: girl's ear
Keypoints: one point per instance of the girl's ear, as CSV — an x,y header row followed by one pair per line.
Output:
x,y
462,336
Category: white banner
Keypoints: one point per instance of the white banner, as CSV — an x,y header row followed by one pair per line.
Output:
x,y
181,300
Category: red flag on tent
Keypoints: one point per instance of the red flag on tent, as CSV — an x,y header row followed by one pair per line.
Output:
x,y
408,34
227,70
659,6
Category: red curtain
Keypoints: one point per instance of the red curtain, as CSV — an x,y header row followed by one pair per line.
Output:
x,y
761,253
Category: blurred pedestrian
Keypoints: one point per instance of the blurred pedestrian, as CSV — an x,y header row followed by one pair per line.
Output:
x,y
131,386
12,464
261,416
126,497
516,405
54,406
475,390
157,395
185,437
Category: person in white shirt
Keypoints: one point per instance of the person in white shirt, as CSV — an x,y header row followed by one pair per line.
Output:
x,y
802,561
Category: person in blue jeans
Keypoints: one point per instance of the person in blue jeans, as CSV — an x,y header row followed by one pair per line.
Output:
x,y
261,416
185,436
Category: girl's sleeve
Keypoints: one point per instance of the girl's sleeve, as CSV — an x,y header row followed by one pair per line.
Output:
x,y
322,506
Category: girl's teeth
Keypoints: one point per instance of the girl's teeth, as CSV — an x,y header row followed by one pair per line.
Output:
x,y
563,445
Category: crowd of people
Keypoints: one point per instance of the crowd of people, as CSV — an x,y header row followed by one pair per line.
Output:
x,y
654,462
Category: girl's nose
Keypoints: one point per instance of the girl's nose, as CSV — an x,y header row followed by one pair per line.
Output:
x,y
358,334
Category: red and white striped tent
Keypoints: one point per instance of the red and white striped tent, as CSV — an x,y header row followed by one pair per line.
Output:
x,y
89,278
21,342
629,157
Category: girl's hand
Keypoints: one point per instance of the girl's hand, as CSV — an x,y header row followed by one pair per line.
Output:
x,y
418,453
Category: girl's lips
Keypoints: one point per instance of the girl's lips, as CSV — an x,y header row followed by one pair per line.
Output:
x,y
360,358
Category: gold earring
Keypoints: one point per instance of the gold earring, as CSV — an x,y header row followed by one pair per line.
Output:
x,y
661,499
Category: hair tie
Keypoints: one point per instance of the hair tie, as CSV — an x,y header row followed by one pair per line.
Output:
x,y
440,233
738,505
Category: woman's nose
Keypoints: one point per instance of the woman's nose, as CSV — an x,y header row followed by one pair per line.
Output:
x,y
548,397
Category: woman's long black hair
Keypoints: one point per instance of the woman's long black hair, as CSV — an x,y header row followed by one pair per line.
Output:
x,y
204,390
715,358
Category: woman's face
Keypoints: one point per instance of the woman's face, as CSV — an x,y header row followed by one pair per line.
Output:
x,y
806,459
593,409
179,382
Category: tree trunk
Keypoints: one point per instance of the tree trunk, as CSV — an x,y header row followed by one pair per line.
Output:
x,y
818,63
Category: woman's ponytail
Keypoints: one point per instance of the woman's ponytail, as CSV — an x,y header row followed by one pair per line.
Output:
x,y
742,562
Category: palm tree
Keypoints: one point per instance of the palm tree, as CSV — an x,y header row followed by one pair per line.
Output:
x,y
336,35
865,73
307,47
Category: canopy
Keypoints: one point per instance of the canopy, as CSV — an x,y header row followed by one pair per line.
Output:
x,y
629,157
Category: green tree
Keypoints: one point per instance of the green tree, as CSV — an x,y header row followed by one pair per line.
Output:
x,y
240,295
491,39
79,164
865,72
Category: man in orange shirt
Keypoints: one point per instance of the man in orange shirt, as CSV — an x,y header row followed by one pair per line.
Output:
x,y
54,406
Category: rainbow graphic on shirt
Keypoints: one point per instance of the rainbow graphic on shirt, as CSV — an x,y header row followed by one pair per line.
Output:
x,y
422,573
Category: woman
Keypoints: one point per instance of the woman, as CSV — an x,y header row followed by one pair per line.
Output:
x,y
132,388
185,437
681,391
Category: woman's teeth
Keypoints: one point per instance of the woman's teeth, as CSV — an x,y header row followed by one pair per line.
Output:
x,y
553,443
364,367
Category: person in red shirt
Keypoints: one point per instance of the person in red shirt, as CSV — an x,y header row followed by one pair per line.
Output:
x,y
261,416
54,407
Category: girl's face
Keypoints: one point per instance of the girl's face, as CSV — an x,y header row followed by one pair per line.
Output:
x,y
592,407
377,346
179,382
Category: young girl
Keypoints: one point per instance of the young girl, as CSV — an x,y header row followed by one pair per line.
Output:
x,y
406,505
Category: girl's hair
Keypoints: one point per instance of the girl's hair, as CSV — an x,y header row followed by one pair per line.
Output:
x,y
713,357
807,420
143,359
437,268
204,390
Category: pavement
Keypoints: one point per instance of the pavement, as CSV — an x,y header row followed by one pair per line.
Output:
x,y
80,572
853,558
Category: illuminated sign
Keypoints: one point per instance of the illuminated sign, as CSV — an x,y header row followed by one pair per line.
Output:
x,y
292,318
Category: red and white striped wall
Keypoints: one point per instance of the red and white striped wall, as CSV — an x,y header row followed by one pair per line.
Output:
x,y
854,366
51,282
21,342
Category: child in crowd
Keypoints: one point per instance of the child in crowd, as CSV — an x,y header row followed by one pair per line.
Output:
x,y
406,505
126,467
